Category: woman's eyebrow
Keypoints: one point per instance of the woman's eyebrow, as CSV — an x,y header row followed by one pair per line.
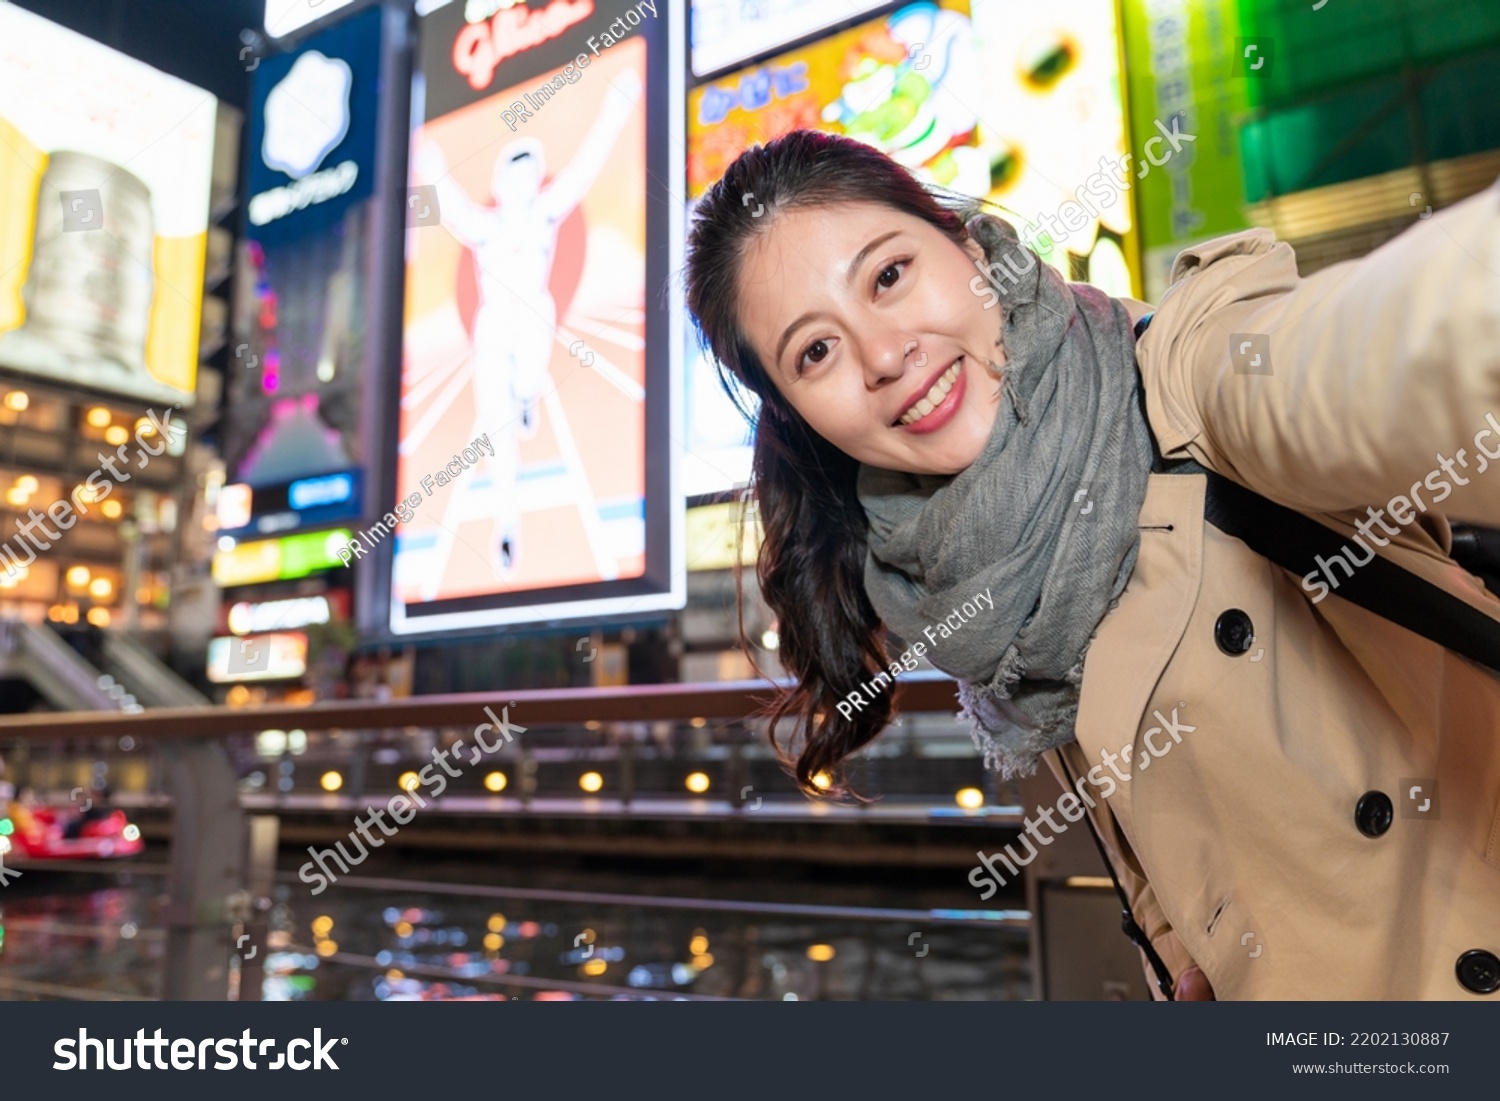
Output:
x,y
863,254
854,265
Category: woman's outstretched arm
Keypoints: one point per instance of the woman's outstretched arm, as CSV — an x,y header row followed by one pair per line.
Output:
x,y
1368,380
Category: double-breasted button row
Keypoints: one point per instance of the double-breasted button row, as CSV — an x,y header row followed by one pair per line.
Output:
x,y
1478,970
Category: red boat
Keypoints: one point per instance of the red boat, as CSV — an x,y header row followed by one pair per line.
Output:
x,y
42,833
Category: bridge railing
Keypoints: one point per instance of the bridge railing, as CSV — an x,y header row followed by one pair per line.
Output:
x,y
220,855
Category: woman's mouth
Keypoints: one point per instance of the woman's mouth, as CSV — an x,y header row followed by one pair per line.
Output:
x,y
936,406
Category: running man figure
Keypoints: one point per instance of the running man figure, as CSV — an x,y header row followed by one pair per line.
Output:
x,y
514,243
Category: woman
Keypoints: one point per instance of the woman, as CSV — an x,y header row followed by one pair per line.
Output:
x,y
926,436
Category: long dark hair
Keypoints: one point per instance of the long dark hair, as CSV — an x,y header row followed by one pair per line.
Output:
x,y
812,558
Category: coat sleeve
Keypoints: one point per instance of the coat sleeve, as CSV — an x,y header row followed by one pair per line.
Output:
x,y
1371,373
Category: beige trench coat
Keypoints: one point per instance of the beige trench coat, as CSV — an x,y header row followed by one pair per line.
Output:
x,y
1240,841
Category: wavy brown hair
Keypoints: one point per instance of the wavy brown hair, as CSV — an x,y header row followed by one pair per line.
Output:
x,y
812,557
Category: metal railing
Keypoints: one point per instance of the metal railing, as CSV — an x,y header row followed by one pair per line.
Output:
x,y
219,854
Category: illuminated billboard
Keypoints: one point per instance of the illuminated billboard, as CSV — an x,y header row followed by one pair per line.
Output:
x,y
311,130
245,617
1015,103
305,347
537,403
728,32
1178,61
285,16
279,655
284,559
717,440
244,511
105,166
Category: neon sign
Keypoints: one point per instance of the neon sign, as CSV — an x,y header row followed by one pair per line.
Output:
x,y
481,46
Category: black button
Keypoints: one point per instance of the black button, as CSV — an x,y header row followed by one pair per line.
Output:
x,y
1373,813
1234,632
1479,971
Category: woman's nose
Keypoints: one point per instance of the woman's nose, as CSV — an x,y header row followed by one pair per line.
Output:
x,y
888,356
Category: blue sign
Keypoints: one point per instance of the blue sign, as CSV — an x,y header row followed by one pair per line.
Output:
x,y
311,138
304,503
330,489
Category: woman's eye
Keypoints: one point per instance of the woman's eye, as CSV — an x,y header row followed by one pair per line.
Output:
x,y
890,274
816,352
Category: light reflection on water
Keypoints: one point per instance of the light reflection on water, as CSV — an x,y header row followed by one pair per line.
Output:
x,y
360,946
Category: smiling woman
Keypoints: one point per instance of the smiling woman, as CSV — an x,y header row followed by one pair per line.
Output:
x,y
846,307
883,353
812,555
1140,502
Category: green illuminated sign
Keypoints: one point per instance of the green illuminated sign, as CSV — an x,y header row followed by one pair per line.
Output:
x,y
1179,60
310,552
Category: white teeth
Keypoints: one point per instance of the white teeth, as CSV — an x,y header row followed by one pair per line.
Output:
x,y
934,397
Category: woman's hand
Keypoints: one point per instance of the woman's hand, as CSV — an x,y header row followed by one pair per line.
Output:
x,y
1193,986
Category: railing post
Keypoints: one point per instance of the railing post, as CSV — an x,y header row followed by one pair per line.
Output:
x,y
527,770
207,867
626,750
265,830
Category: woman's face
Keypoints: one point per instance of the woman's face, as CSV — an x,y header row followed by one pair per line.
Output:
x,y
865,322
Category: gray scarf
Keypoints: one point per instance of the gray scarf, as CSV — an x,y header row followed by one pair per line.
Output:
x,y
1045,518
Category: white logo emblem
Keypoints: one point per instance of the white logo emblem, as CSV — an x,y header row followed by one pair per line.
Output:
x,y
307,114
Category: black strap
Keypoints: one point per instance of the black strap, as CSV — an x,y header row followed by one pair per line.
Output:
x,y
1128,923
1296,542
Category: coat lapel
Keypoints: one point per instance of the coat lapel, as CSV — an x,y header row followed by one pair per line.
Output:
x,y
1134,642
